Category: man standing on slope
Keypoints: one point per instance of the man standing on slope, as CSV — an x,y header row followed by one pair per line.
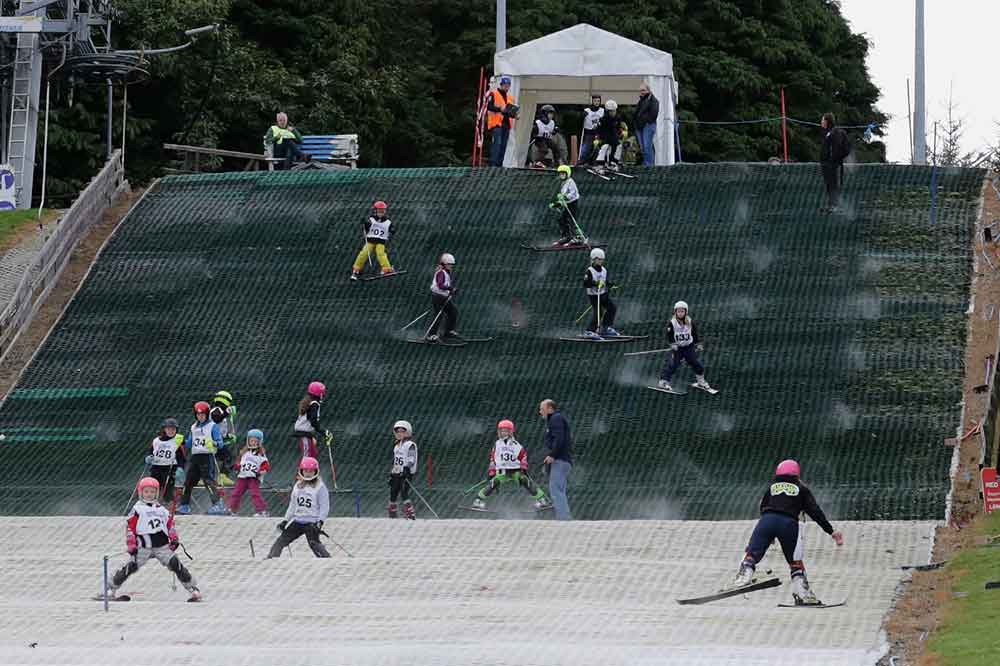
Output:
x,y
835,149
559,457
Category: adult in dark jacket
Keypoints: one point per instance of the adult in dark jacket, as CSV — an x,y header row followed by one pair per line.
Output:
x,y
647,110
559,456
836,147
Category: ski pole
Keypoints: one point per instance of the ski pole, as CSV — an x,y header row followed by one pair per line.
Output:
x,y
434,323
416,320
575,223
469,490
583,314
422,499
145,469
648,351
334,543
328,438
368,250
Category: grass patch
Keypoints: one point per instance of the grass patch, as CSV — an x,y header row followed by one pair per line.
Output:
x,y
12,222
968,634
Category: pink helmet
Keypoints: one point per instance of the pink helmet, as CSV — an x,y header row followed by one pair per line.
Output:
x,y
787,468
316,389
506,424
308,464
147,482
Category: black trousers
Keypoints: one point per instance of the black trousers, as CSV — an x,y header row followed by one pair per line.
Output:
x,y
608,311
449,318
399,488
569,213
292,532
290,151
831,180
200,467
165,475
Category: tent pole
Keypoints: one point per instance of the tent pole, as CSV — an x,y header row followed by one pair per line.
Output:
x,y
784,126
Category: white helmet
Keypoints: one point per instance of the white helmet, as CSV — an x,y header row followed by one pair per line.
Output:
x,y
680,304
596,253
611,105
405,425
448,259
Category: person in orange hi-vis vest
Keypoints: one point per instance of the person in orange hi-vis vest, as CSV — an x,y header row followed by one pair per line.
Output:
x,y
500,114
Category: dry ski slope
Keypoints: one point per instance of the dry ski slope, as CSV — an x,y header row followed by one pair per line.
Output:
x,y
446,593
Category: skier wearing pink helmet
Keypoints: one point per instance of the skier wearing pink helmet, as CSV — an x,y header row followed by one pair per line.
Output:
x,y
783,501
308,507
508,464
307,425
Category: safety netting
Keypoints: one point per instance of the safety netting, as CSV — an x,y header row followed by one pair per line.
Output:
x,y
834,339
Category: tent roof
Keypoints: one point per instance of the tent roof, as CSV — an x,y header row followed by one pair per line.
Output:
x,y
583,50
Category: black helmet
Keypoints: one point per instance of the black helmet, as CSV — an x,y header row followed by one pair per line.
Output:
x,y
548,108
170,423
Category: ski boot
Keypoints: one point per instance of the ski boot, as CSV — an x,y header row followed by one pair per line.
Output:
x,y
217,509
478,504
388,271
610,332
195,594
262,514
745,574
354,276
432,338
184,509
700,382
590,335
392,510
664,384
802,594
578,240
542,503
565,240
408,512
453,336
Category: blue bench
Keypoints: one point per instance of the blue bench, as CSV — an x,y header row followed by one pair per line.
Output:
x,y
330,148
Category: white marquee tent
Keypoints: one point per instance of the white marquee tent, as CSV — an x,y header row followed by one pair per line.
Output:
x,y
568,66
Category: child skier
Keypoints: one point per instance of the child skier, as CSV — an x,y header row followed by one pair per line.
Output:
x,y
223,413
508,463
611,132
150,533
307,424
783,501
685,343
443,292
201,444
404,467
567,204
591,121
595,280
377,230
166,452
252,466
308,507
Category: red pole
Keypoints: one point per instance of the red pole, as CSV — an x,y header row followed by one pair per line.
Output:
x,y
430,471
784,125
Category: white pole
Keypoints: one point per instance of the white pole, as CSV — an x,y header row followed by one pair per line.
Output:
x,y
501,25
920,110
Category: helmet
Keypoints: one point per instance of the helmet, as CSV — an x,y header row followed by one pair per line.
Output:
x,y
680,304
448,259
548,108
256,434
379,205
308,464
611,105
565,169
787,468
596,253
506,424
224,398
405,425
505,80
201,406
218,414
147,482
316,389
170,423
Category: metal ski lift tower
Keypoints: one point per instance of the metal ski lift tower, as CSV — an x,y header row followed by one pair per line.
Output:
x,y
34,33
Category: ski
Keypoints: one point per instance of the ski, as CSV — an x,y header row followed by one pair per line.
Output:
x,y
478,339
613,338
624,175
599,175
736,591
120,597
530,168
710,391
842,603
524,511
477,510
561,248
439,343
382,275
663,390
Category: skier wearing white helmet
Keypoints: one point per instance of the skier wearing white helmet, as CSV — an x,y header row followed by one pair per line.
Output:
x,y
611,132
685,343
595,281
443,294
404,467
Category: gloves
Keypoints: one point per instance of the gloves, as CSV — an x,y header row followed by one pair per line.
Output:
x,y
229,439
600,284
699,347
149,460
173,544
282,525
319,526
328,437
133,551
674,347
561,198
552,205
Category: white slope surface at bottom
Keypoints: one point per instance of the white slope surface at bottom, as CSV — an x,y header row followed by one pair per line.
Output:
x,y
447,593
